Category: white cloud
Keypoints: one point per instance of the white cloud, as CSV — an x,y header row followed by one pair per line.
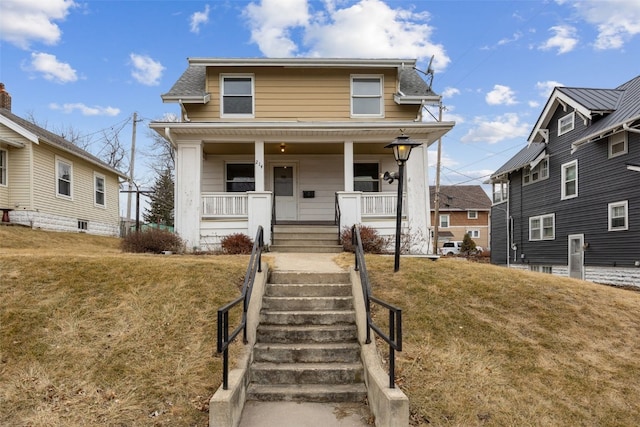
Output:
x,y
617,21
564,39
366,29
545,88
450,92
501,95
533,104
52,69
24,22
199,18
145,70
506,126
85,110
515,37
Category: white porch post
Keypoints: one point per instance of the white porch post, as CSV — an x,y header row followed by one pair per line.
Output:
x,y
259,165
350,208
259,212
188,197
348,166
418,205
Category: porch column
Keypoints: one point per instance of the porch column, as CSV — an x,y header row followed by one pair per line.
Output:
x,y
259,212
348,166
418,205
350,208
259,165
187,192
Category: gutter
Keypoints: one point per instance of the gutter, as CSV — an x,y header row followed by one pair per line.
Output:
x,y
605,132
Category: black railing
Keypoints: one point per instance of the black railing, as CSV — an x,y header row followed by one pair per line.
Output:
x,y
394,337
337,216
224,338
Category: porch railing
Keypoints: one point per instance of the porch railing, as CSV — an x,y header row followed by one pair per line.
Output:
x,y
380,204
225,205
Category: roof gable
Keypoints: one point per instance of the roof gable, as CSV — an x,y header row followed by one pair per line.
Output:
x,y
460,197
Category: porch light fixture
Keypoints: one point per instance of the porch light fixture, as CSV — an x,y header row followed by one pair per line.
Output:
x,y
282,147
402,147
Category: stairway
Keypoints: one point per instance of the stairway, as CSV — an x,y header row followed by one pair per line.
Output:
x,y
305,238
306,345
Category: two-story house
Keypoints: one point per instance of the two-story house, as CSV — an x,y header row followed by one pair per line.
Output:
x,y
569,202
301,140
49,183
462,209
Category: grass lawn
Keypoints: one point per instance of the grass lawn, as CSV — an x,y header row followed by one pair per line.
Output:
x,y
92,336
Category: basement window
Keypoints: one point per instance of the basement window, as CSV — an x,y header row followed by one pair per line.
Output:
x,y
83,225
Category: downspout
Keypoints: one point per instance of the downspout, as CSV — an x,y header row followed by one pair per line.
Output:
x,y
184,111
508,220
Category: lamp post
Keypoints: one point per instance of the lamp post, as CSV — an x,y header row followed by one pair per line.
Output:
x,y
402,147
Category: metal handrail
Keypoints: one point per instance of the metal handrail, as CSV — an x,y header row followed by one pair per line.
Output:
x,y
394,337
224,338
337,216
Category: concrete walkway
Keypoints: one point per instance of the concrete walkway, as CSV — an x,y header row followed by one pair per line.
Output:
x,y
304,414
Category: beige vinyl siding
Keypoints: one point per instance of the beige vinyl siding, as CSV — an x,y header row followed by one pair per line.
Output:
x,y
307,94
18,191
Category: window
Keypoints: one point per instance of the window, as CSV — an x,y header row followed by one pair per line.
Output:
x,y
64,176
566,123
366,177
618,216
570,180
240,177
366,96
538,173
83,225
542,227
98,190
237,96
444,221
472,214
474,234
618,144
541,269
3,167
500,192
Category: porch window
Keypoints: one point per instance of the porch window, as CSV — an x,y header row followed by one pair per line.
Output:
x,y
64,176
366,177
99,190
618,216
237,96
570,180
542,227
618,144
500,192
3,167
240,177
566,123
444,221
366,96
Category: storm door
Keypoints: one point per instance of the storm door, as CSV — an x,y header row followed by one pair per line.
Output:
x,y
285,193
576,256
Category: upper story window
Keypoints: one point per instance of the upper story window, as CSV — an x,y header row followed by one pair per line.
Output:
x,y
618,216
566,123
366,177
240,177
237,97
64,178
500,192
618,144
472,214
570,180
99,190
542,227
537,173
444,221
366,96
3,167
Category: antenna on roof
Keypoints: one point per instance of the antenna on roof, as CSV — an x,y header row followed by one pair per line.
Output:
x,y
429,73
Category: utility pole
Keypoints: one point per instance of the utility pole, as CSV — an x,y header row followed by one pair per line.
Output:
x,y
436,201
132,164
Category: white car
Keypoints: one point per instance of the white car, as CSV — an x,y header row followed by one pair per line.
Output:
x,y
453,248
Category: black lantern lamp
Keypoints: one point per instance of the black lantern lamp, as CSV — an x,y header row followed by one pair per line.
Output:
x,y
402,147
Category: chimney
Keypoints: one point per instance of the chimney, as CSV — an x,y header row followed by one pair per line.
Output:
x,y
5,98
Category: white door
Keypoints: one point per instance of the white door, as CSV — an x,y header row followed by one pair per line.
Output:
x,y
284,191
576,256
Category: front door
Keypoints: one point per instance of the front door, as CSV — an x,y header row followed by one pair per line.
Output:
x,y
576,256
284,191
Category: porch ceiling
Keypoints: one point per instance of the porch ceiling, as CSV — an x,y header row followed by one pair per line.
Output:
x,y
292,148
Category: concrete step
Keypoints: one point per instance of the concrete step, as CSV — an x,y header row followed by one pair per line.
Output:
x,y
307,353
334,249
340,332
308,392
308,290
310,318
307,303
306,373
292,277
307,229
303,241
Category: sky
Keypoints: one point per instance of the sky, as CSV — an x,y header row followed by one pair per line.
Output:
x,y
89,65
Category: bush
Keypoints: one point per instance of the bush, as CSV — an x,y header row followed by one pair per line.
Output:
x,y
237,243
153,240
468,245
371,242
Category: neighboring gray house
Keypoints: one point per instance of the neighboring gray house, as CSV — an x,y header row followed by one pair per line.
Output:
x,y
569,202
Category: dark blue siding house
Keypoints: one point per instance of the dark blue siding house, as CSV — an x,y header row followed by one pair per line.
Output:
x,y
569,202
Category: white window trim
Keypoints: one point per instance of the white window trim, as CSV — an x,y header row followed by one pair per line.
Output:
x,y
369,180
226,178
472,214
615,139
253,96
541,218
448,221
624,203
70,163
95,190
563,190
4,172
528,171
474,233
502,194
368,76
569,117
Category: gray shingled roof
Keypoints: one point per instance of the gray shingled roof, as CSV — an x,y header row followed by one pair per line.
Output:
x,y
461,197
411,84
521,159
57,141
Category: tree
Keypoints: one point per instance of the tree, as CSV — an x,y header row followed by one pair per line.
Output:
x,y
160,209
468,245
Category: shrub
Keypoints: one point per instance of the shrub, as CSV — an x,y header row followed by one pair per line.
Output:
x,y
236,243
371,242
468,245
153,240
